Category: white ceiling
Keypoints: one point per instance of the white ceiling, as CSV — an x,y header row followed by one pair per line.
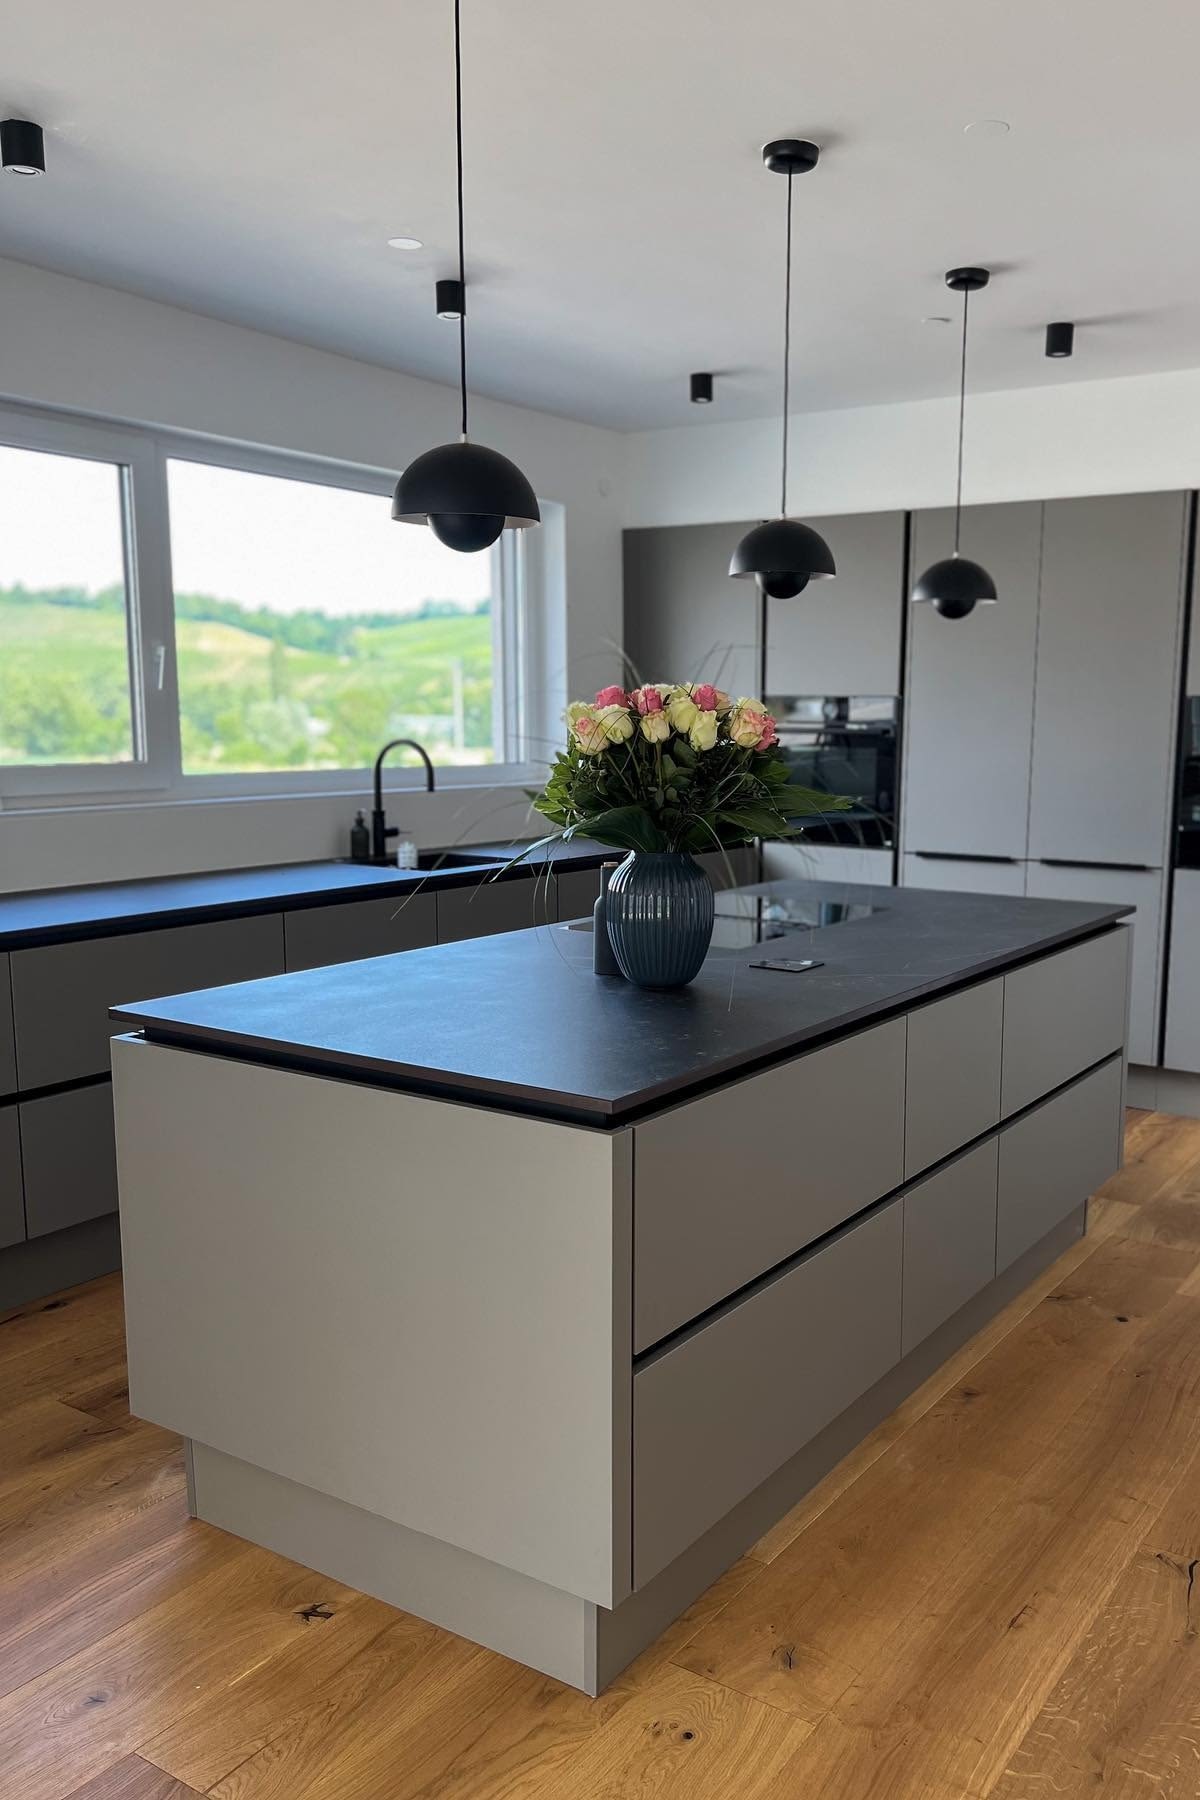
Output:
x,y
249,160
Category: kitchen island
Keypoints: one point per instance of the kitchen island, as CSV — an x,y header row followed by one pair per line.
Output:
x,y
526,1301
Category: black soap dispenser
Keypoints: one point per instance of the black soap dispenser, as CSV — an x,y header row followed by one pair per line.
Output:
x,y
360,839
603,960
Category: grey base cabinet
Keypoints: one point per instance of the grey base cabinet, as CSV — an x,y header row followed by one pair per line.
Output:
x,y
316,936
949,1241
69,1158
12,1201
1143,890
8,1048
485,907
1055,1155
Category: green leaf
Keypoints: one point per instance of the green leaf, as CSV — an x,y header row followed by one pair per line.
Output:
x,y
624,827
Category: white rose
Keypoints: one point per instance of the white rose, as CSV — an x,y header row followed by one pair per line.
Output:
x,y
682,710
703,734
656,728
615,723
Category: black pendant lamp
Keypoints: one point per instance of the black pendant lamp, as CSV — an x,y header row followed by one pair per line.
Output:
x,y
955,586
782,554
464,492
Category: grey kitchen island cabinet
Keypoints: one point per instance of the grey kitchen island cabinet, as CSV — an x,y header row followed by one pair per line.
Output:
x,y
628,1271
1107,678
843,636
968,715
12,1200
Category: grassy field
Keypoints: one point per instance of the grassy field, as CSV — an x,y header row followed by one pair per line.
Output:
x,y
249,700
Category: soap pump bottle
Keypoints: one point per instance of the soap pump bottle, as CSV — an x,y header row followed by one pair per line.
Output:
x,y
360,839
604,962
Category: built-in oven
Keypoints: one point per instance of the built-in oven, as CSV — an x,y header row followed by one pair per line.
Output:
x,y
1187,848
848,746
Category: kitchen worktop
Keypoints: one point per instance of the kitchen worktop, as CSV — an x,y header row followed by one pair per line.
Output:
x,y
57,915
520,1021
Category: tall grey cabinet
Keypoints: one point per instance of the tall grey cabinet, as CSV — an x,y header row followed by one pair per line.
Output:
x,y
843,636
685,620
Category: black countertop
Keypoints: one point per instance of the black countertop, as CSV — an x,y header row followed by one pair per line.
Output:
x,y
519,1020
59,915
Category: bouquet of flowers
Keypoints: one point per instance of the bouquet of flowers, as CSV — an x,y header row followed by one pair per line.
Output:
x,y
674,768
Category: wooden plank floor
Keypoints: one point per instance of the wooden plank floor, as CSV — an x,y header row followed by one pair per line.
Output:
x,y
995,1594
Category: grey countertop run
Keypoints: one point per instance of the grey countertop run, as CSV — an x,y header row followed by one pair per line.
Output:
x,y
57,915
519,1020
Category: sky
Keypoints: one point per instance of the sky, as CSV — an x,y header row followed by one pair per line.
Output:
x,y
286,545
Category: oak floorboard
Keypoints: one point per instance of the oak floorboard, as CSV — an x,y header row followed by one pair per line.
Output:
x,y
133,1779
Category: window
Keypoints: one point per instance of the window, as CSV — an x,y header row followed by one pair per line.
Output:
x,y
191,621
309,628
67,693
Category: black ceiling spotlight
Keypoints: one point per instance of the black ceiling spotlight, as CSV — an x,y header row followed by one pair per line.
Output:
x,y
701,390
464,492
783,555
450,299
955,586
22,147
1060,338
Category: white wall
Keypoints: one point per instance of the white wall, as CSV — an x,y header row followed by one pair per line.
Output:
x,y
1079,437
90,349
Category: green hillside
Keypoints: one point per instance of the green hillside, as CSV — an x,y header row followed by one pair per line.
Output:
x,y
257,691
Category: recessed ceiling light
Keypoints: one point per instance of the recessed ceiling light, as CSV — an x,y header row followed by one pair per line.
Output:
x,y
404,243
988,128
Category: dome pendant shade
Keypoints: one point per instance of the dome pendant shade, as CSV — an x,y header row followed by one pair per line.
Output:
x,y
955,586
783,555
466,493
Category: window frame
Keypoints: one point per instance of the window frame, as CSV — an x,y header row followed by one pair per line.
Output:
x,y
158,774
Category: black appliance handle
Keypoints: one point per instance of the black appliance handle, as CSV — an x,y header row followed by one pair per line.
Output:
x,y
1077,862
960,856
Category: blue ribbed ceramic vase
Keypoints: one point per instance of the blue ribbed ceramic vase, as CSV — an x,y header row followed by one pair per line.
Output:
x,y
660,918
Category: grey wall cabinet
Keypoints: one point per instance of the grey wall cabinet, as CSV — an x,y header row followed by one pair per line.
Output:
x,y
12,1204
843,636
1108,650
1183,988
482,907
1143,890
949,1241
8,1049
317,935
963,875
62,992
69,1158
685,620
968,721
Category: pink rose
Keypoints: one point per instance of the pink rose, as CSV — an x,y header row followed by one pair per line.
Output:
x,y
769,736
612,696
751,726
706,697
646,700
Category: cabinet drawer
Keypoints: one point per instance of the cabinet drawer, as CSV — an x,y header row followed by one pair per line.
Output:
x,y
69,1158
949,1241
1055,1157
1142,889
573,893
62,992
962,875
315,936
730,1185
8,1051
827,862
485,907
12,1204
953,1088
721,1410
1062,1014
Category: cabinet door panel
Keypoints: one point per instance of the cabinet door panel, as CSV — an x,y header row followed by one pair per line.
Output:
x,y
1183,996
685,620
722,1409
12,1204
573,892
69,1157
1143,890
949,1241
1108,644
8,1050
62,992
958,875
952,1091
318,935
1055,1157
827,862
843,636
484,907
1061,1014
969,709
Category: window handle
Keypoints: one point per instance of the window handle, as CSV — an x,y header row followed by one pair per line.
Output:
x,y
160,667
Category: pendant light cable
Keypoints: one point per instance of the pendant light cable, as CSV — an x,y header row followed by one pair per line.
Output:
x,y
787,346
462,259
962,419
